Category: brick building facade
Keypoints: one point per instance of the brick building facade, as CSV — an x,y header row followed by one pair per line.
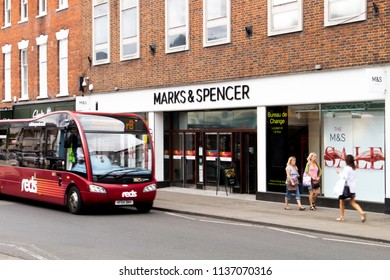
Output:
x,y
248,84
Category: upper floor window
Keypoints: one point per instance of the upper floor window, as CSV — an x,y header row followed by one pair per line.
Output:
x,y
129,29
216,22
101,32
7,13
344,11
23,47
177,25
62,4
23,10
62,37
284,16
42,50
42,7
7,72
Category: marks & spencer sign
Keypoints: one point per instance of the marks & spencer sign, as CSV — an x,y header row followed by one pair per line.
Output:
x,y
203,95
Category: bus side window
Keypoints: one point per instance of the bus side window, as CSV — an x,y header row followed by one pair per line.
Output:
x,y
54,158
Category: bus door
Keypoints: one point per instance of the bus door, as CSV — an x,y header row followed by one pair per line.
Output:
x,y
183,159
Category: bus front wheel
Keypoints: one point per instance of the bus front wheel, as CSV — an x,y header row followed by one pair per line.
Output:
x,y
74,201
144,207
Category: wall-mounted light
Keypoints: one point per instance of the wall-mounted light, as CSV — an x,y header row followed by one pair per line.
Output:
x,y
318,67
329,115
84,84
375,9
152,48
248,31
356,115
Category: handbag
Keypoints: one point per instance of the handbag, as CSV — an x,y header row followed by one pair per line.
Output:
x,y
339,187
346,191
315,184
306,181
292,187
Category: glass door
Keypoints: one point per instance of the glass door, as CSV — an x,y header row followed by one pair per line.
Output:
x,y
178,159
212,159
218,156
190,159
183,159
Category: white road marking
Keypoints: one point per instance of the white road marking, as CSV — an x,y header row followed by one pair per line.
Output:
x,y
357,242
292,232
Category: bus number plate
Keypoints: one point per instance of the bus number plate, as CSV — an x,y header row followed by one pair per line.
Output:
x,y
124,202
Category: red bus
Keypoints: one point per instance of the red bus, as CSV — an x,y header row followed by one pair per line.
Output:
x,y
79,159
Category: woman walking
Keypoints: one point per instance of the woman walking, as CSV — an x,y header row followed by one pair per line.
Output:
x,y
313,171
292,183
349,175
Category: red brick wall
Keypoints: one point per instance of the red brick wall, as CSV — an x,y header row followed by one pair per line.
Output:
x,y
32,29
348,45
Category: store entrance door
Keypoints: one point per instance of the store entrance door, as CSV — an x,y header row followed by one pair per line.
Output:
x,y
249,146
183,159
218,155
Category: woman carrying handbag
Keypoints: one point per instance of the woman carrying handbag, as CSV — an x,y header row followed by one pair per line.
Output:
x,y
292,184
349,175
311,178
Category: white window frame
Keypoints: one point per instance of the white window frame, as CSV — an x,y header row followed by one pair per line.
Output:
x,y
131,39
278,9
23,50
348,16
7,72
42,50
178,29
215,22
62,5
7,13
23,11
104,45
62,38
42,8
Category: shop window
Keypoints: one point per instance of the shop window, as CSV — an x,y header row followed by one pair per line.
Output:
x,y
356,129
228,119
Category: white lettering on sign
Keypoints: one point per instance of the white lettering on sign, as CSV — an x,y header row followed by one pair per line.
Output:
x,y
36,113
29,185
129,194
201,95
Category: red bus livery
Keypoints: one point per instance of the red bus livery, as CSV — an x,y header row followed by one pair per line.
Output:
x,y
79,159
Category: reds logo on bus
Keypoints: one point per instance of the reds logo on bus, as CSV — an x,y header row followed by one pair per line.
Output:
x,y
29,185
129,194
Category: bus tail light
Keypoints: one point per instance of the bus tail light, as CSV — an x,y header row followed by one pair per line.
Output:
x,y
97,189
150,188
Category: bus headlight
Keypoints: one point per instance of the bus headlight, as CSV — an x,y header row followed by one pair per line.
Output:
x,y
96,189
150,188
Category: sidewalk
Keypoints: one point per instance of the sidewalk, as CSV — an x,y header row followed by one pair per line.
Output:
x,y
242,207
245,208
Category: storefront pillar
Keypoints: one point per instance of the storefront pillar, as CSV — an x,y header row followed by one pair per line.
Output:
x,y
261,149
156,125
387,145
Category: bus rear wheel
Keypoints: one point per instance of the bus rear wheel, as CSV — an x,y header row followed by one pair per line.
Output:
x,y
74,201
